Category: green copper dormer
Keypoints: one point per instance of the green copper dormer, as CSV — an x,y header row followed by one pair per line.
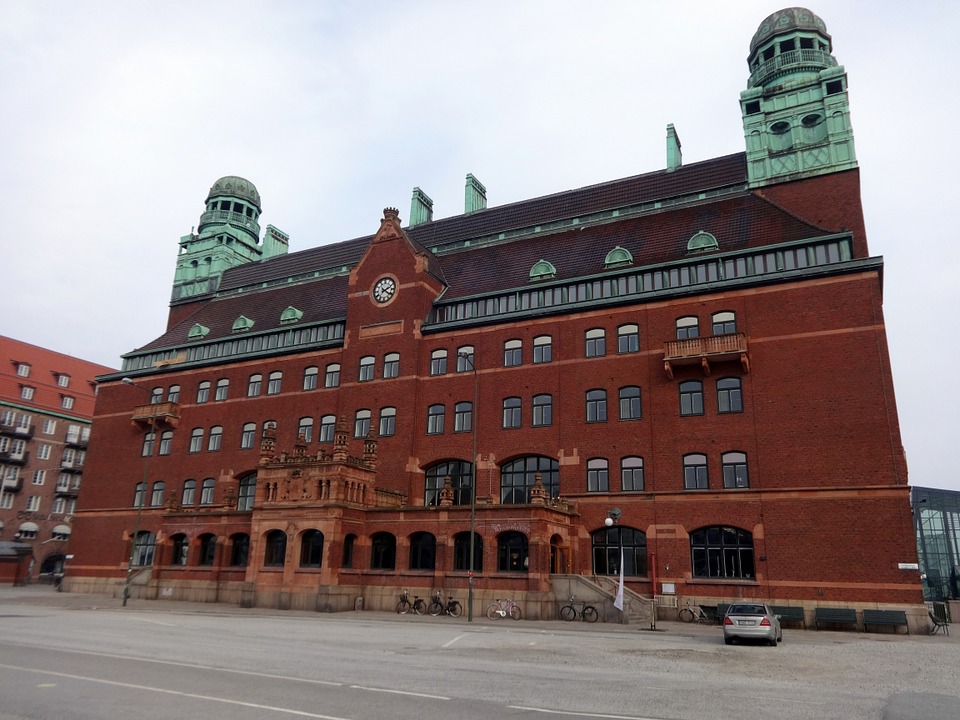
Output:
x,y
796,113
228,235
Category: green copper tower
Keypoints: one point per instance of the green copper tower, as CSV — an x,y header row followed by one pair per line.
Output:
x,y
228,235
796,113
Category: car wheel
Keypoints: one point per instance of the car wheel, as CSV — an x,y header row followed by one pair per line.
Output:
x,y
780,639
773,642
728,641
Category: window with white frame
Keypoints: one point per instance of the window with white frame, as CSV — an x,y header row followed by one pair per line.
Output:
x,y
223,388
166,442
465,359
598,475
203,392
49,427
512,353
310,376
328,424
274,382
305,429
216,436
331,377
596,342
361,423
39,476
173,393
66,402
26,392
542,349
438,362
196,440
63,380
435,418
254,384
367,368
43,451
248,436
628,339
33,503
391,365
388,421
23,370
631,474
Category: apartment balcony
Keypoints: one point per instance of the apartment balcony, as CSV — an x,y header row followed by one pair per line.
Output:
x,y
705,352
77,439
13,485
73,466
66,490
157,414
10,458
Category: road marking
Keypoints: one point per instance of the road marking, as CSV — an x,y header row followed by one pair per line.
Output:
x,y
448,644
398,692
580,714
212,668
194,696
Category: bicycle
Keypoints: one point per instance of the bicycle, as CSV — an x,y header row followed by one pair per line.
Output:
x,y
452,607
418,606
694,612
587,613
503,608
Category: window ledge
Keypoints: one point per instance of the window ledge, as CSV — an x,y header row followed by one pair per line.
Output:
x,y
723,581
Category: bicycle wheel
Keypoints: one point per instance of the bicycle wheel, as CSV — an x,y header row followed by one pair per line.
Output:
x,y
403,607
419,606
515,612
590,614
435,608
568,613
455,609
493,611
686,615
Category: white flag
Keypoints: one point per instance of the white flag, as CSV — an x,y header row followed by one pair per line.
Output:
x,y
618,601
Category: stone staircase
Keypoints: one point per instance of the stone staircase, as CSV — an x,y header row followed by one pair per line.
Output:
x,y
601,591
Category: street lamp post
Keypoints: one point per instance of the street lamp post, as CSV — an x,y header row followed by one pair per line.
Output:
x,y
473,482
151,427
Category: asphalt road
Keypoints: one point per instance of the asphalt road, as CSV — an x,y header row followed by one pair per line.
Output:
x,y
79,657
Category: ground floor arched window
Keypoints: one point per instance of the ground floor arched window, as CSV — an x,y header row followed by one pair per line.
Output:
x,y
512,552
460,472
423,551
610,544
311,549
461,552
275,550
383,551
722,552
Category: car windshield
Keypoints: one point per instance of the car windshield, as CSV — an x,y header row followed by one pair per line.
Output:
x,y
746,610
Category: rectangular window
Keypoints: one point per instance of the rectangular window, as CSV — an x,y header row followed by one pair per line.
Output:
x,y
542,410
66,402
63,380
463,417
43,452
435,417
695,472
23,370
631,474
691,398
598,476
6,501
597,406
248,436
512,409
630,403
26,392
49,427
33,503
729,396
39,476
196,440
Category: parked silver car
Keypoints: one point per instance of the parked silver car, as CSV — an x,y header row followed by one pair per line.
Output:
x,y
751,621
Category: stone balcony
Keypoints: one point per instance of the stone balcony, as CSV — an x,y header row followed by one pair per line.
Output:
x,y
706,351
157,414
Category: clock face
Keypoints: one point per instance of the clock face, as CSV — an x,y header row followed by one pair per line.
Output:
x,y
384,289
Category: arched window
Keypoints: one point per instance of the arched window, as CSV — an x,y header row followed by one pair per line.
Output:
x,y
628,339
310,375
435,417
631,474
465,359
596,406
512,353
695,472
274,383
729,395
140,494
189,492
512,411
630,407
180,548
223,387
203,392
239,550
460,472
216,436
328,424
512,552
463,417
724,323
517,477
208,549
305,429
734,468
248,436
196,440
598,475
173,394
253,385
388,422
331,378
542,349
391,365
383,551
166,442
148,440
596,343
348,544
721,552
423,551
608,543
156,497
311,549
688,327
438,362
361,424
691,397
461,552
367,367
247,492
542,410
275,549
143,546
206,491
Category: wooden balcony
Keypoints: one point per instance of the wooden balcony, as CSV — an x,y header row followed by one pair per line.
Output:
x,y
704,351
157,414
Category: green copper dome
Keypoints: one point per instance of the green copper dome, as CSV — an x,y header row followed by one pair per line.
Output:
x,y
788,20
237,187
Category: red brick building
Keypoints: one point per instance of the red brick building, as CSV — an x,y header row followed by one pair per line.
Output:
x,y
696,354
46,405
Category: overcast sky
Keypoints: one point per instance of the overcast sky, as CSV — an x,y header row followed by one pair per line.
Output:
x,y
117,117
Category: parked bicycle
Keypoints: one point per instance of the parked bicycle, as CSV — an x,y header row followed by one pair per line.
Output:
x,y
451,607
694,612
503,608
578,609
418,605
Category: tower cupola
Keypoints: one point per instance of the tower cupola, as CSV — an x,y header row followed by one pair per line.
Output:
x,y
796,112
